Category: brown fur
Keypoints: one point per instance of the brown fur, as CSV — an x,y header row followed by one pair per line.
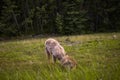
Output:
x,y
67,61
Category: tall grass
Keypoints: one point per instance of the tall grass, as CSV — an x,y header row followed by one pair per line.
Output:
x,y
97,57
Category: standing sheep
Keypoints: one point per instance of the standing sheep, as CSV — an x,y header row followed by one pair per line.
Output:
x,y
53,48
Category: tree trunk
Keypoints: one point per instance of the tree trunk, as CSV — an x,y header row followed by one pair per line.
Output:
x,y
16,22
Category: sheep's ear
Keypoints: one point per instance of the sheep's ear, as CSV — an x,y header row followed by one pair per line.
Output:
x,y
66,53
67,56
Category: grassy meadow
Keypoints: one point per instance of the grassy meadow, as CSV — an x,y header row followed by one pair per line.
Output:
x,y
97,56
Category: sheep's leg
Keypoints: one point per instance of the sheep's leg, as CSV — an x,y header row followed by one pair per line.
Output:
x,y
54,59
48,54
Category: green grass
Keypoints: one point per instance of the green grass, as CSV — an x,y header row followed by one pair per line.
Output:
x,y
97,56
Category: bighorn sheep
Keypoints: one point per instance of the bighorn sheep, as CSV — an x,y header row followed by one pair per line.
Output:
x,y
53,48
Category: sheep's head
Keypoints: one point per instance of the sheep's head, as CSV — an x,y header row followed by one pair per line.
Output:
x,y
69,62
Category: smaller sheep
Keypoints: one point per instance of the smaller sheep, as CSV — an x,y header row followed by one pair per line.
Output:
x,y
114,36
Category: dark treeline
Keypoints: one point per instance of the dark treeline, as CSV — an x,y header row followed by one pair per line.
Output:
x,y
32,17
